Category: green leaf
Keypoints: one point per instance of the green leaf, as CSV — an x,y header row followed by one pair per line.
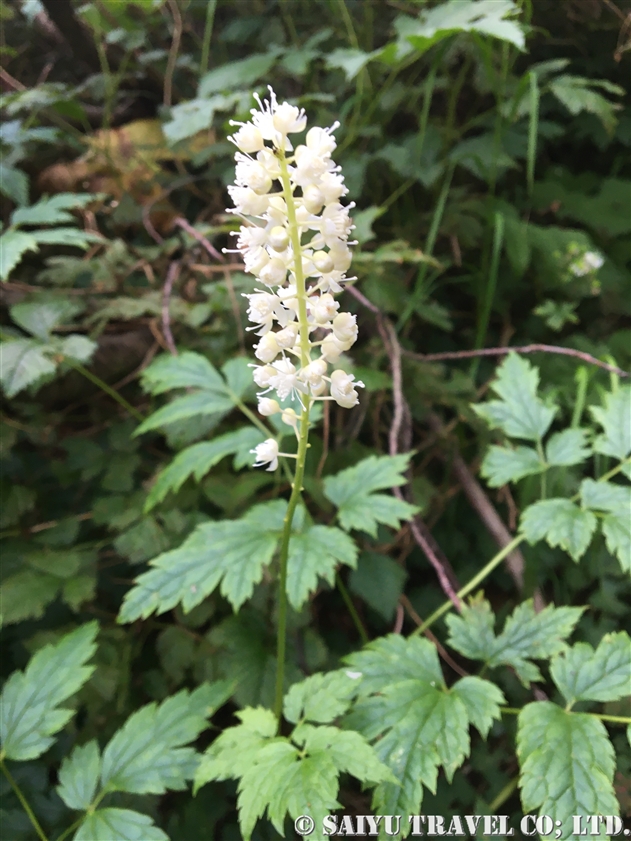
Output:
x,y
615,419
416,723
351,61
577,94
583,674
379,581
233,552
147,755
198,403
23,362
526,636
78,347
30,715
486,17
238,376
352,491
14,184
26,594
198,459
53,210
561,523
320,698
13,245
505,464
567,764
617,531
190,117
315,552
606,496
114,824
236,74
39,319
187,370
519,413
79,776
298,776
567,448
67,236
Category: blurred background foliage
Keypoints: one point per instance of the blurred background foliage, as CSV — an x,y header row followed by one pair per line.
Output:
x,y
486,145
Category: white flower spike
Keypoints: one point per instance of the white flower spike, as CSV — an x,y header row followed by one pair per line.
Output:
x,y
295,241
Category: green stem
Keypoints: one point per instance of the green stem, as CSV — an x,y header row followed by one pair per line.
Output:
x,y
352,610
491,286
417,295
25,804
543,487
208,34
104,387
582,378
613,719
533,128
303,440
503,796
471,585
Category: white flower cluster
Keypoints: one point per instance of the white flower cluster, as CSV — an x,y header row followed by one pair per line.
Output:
x,y
295,241
586,263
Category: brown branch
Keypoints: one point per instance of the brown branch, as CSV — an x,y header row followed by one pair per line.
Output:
x,y
407,604
420,532
501,351
173,51
201,239
172,276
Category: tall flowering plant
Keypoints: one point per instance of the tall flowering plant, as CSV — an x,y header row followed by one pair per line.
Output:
x,y
295,240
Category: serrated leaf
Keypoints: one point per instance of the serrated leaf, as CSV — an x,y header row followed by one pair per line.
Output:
x,y
488,17
78,347
147,755
379,581
198,459
505,464
275,776
606,496
198,403
114,824
615,419
320,698
23,362
527,635
26,594
13,246
67,236
567,448
567,764
582,674
617,531
30,714
238,376
416,723
79,776
350,60
520,413
561,523
353,492
187,370
315,553
233,552
39,319
14,184
53,210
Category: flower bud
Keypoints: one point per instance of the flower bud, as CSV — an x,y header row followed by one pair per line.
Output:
x,y
274,273
268,348
342,389
323,262
279,238
268,407
345,327
312,199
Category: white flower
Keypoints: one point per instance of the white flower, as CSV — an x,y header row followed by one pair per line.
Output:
x,y
274,272
248,202
279,238
314,373
268,407
286,381
266,453
248,139
345,328
287,338
331,348
321,140
264,308
323,308
262,375
290,417
268,348
343,389
588,262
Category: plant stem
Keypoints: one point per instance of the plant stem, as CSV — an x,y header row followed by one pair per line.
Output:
x,y
208,34
303,440
104,387
25,804
503,796
352,609
471,585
